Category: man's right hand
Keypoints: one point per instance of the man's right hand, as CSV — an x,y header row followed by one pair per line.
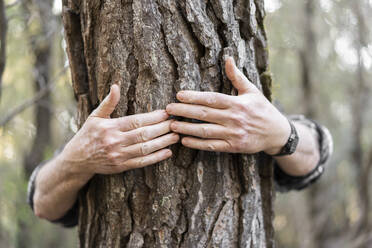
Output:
x,y
102,146
108,146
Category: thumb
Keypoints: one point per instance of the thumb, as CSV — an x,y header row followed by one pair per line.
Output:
x,y
238,79
108,105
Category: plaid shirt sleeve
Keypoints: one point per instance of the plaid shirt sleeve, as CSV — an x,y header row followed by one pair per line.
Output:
x,y
70,219
285,182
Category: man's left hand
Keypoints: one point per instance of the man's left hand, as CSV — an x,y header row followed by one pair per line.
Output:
x,y
247,123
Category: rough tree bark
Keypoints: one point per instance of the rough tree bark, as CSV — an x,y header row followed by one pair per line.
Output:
x,y
155,48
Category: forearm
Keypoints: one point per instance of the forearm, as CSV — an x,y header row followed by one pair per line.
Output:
x,y
56,188
306,157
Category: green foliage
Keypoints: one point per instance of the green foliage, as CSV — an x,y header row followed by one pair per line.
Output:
x,y
334,78
17,136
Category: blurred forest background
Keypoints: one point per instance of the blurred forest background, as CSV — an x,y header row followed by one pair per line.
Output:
x,y
320,57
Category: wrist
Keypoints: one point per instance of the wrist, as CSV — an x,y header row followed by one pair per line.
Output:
x,y
73,170
279,139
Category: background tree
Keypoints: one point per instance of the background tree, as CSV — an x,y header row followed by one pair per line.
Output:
x,y
35,65
308,62
41,42
3,32
334,71
154,49
360,93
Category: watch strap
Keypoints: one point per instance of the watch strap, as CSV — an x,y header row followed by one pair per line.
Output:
x,y
292,142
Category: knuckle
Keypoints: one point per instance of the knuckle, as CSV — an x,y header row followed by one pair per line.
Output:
x,y
240,105
142,162
243,106
203,113
239,133
238,146
205,132
112,158
135,123
238,119
231,146
145,149
143,135
107,141
211,147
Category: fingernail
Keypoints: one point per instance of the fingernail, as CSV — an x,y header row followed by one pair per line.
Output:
x,y
169,108
184,141
177,137
173,126
168,153
181,95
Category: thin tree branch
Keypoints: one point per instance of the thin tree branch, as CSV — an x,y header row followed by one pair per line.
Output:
x,y
23,106
29,102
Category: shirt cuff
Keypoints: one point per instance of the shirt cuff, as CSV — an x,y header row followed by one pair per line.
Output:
x,y
285,182
70,219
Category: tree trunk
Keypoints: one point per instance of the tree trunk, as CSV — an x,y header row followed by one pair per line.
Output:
x,y
308,61
154,49
360,97
308,58
41,43
3,35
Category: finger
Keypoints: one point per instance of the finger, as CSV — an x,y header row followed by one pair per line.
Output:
x,y
108,105
147,133
132,122
206,145
238,79
143,161
210,99
206,131
197,112
146,148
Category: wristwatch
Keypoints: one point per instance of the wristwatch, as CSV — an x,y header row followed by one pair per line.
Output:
x,y
292,142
